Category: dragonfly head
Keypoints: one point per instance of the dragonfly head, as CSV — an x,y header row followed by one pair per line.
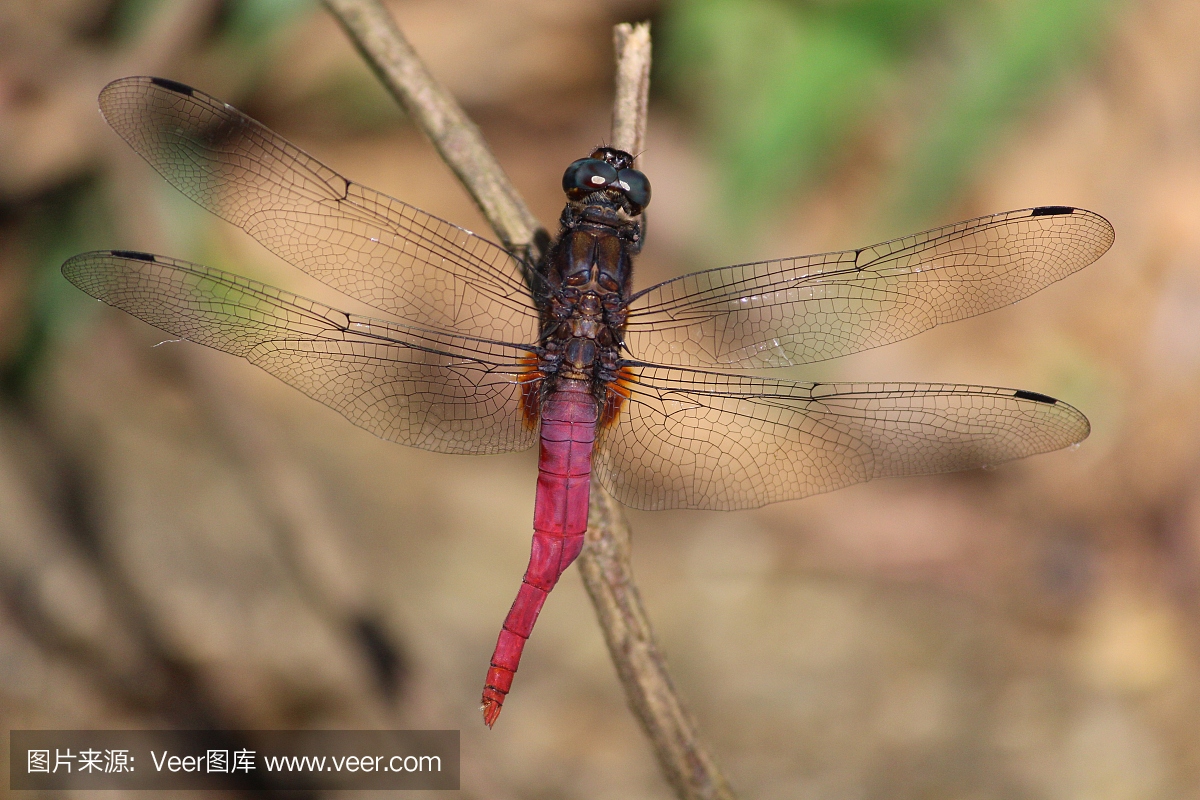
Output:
x,y
606,177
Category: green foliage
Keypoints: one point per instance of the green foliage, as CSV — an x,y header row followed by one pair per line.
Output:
x,y
254,21
246,22
781,87
57,225
129,16
1019,50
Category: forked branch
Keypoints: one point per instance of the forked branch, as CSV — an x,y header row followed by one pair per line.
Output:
x,y
605,561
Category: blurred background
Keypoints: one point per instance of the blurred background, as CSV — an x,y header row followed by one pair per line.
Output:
x,y
185,542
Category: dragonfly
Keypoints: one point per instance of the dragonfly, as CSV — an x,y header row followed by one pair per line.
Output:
x,y
478,350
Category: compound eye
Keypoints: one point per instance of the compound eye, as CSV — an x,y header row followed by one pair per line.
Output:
x,y
636,187
588,175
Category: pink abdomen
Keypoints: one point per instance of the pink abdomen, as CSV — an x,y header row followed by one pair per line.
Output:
x,y
559,522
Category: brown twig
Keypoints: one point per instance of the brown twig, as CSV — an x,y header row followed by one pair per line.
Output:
x,y
605,562
631,104
605,566
456,138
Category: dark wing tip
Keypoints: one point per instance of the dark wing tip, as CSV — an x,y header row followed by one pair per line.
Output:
x,y
1021,394
81,269
1070,420
1051,211
1103,234
116,94
173,86
137,255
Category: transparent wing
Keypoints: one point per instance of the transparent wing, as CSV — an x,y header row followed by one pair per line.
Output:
x,y
812,308
384,252
427,389
687,439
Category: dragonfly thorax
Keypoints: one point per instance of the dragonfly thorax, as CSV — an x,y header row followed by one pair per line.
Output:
x,y
587,274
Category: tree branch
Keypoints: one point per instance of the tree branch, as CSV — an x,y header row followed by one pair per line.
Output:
x,y
605,562
605,565
455,136
632,46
